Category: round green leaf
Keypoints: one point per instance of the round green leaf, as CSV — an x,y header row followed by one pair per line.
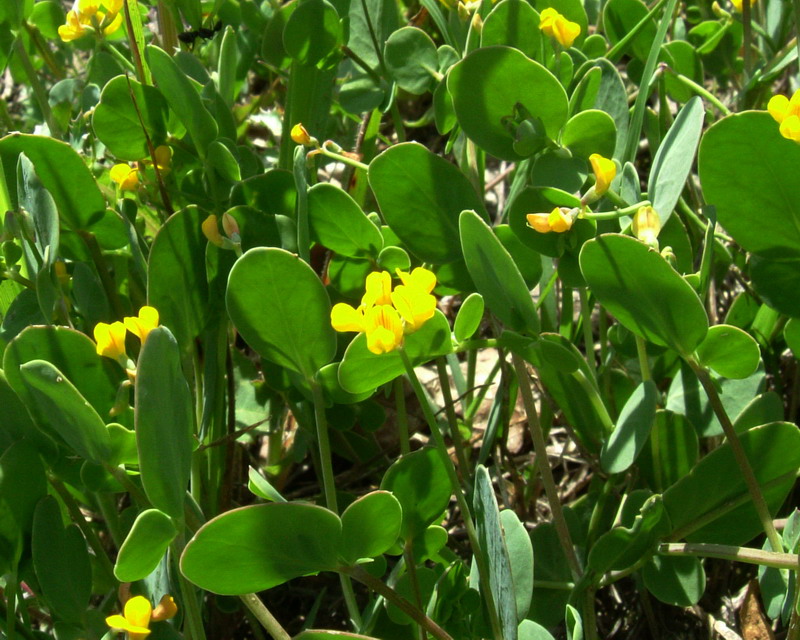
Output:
x,y
419,482
282,310
145,545
421,196
259,547
164,422
370,526
644,292
496,276
469,317
513,23
411,59
127,114
312,32
633,426
589,132
729,351
361,370
676,580
490,84
339,223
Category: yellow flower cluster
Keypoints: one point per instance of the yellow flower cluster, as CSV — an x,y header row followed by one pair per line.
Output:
x,y
110,338
127,177
387,315
85,16
138,613
787,114
557,26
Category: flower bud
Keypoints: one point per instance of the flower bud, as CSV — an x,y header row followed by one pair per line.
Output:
x,y
231,227
300,135
646,225
211,231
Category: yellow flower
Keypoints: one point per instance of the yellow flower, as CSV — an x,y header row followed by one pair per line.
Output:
x,y
144,323
300,135
211,230
165,609
786,113
113,6
419,278
737,4
384,329
378,289
557,26
110,339
604,173
138,613
646,225
163,156
126,176
415,305
72,29
345,318
558,220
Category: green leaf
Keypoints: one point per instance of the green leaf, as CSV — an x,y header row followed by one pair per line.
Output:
x,y
419,482
272,49
469,317
339,223
183,98
62,172
670,452
176,276
543,200
313,32
127,114
144,546
574,623
259,547
325,634
633,427
370,526
164,422
729,352
421,196
490,84
588,132
620,17
530,630
602,88
70,415
261,487
361,370
520,554
679,581
513,23
411,59
493,545
496,276
282,310
712,503
674,158
61,561
22,484
644,292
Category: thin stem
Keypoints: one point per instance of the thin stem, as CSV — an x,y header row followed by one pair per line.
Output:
x,y
402,415
747,23
441,447
328,482
12,585
741,457
360,574
699,89
728,552
588,334
136,53
641,352
362,63
627,210
193,618
452,420
543,465
342,158
411,569
102,270
264,616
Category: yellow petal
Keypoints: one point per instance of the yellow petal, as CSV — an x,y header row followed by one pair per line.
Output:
x,y
778,107
118,622
113,6
300,135
420,279
346,318
115,24
138,611
144,323
547,20
87,7
559,222
539,222
646,225
415,306
378,289
110,339
790,128
72,29
125,176
211,230
166,609
604,172
565,31
384,329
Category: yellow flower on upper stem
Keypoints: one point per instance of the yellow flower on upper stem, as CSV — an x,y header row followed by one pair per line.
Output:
x,y
604,173
126,176
557,26
558,220
384,329
110,339
144,323
137,614
786,112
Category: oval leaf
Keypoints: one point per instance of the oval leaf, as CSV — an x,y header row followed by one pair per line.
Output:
x,y
370,526
729,352
145,545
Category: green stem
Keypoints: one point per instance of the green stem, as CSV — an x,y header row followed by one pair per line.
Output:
x,y
108,509
588,335
411,569
627,210
699,89
343,158
641,352
38,90
264,616
362,63
193,618
360,574
543,465
452,420
618,49
734,554
12,585
402,415
738,453
747,23
328,483
441,447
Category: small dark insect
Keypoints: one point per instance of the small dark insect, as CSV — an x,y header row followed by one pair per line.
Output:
x,y
188,37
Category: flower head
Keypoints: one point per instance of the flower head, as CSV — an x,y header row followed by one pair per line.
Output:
x,y
560,219
646,225
419,278
110,339
384,329
786,113
85,16
126,176
415,305
165,609
557,26
137,614
300,135
144,323
604,173
378,289
72,29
